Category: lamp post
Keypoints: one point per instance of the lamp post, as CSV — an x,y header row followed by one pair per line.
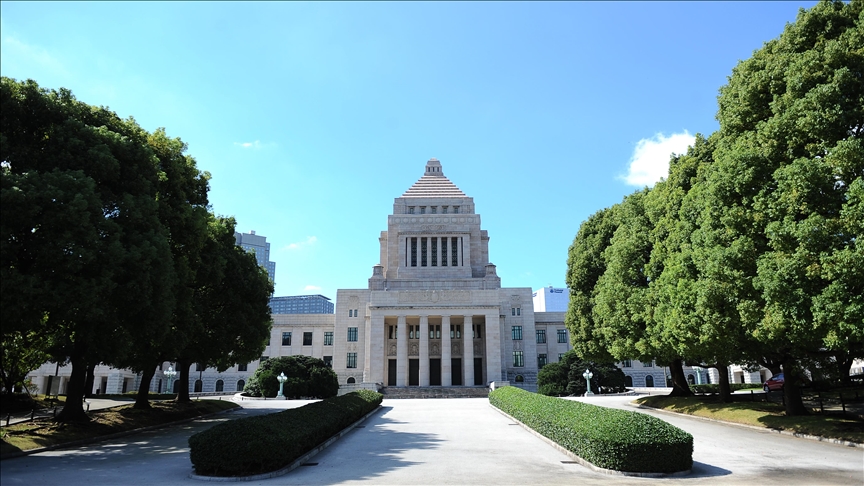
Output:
x,y
282,379
169,376
588,375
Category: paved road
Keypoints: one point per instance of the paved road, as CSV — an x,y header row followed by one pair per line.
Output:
x,y
455,441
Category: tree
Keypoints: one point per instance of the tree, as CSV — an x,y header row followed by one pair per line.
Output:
x,y
307,377
82,240
781,208
231,321
21,353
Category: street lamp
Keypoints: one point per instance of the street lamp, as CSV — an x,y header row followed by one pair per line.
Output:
x,y
588,375
169,375
282,379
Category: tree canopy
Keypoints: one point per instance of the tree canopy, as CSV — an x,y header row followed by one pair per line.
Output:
x,y
748,252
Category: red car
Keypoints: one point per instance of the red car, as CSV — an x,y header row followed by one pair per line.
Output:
x,y
774,383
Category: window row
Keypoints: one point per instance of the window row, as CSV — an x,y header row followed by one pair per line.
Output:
x,y
353,312
629,364
433,251
433,209
328,337
435,331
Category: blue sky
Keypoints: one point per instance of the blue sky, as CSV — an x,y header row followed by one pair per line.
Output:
x,y
313,117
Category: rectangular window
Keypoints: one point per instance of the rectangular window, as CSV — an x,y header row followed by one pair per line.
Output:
x,y
243,367
649,364
455,209
286,339
541,336
434,209
443,209
434,242
413,252
423,244
541,361
516,331
518,359
626,364
410,209
410,332
562,335
422,209
352,360
477,331
560,356
328,339
516,311
444,251
455,331
453,254
392,332
199,367
328,360
352,334
307,339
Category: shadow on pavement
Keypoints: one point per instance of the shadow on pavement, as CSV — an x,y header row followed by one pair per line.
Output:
x,y
702,470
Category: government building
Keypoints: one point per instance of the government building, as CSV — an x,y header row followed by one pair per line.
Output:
x,y
433,312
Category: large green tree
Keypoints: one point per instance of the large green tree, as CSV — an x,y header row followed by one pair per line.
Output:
x,y
83,245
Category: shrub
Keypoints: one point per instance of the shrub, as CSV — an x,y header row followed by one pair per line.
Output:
x,y
261,444
307,377
612,439
715,388
565,377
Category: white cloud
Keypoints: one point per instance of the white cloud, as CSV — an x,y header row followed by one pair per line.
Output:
x,y
312,287
310,240
253,145
20,56
650,160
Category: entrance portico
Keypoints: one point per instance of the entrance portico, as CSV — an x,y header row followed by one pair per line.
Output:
x,y
434,346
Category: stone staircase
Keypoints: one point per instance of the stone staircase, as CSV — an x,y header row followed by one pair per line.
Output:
x,y
391,392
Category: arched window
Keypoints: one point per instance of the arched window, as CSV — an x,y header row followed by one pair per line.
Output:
x,y
628,380
241,385
198,386
691,379
351,380
649,381
220,385
520,379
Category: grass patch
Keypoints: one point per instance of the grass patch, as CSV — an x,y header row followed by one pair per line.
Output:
x,y
761,414
46,432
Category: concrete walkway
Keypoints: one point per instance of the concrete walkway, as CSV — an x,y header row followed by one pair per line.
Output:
x,y
454,441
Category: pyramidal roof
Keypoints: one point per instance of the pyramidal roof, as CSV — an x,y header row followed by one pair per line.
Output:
x,y
434,184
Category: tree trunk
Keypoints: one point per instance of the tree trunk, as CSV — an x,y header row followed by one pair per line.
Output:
x,y
725,389
680,387
88,381
142,401
183,366
73,410
844,364
792,389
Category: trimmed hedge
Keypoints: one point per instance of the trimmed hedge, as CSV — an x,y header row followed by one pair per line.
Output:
x,y
715,388
267,443
611,439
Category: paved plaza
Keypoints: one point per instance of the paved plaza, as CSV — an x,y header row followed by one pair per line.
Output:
x,y
452,441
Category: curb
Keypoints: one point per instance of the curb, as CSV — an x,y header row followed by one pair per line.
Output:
x,y
840,442
295,464
93,440
609,472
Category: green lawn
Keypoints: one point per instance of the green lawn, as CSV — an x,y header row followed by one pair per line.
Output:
x,y
761,414
46,432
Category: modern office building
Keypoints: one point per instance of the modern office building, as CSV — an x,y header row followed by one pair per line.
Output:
x,y
301,304
551,299
258,245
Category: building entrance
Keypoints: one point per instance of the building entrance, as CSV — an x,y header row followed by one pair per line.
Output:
x,y
435,372
478,371
456,371
391,372
413,372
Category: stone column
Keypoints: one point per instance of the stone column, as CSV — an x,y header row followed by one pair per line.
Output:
x,y
401,352
459,251
375,352
446,379
424,350
467,352
493,347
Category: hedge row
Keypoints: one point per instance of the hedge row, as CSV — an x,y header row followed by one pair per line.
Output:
x,y
267,443
611,439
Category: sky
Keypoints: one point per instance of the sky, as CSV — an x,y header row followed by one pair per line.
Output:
x,y
312,117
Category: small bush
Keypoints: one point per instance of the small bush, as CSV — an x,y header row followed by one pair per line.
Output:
x,y
307,377
611,439
257,445
715,388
